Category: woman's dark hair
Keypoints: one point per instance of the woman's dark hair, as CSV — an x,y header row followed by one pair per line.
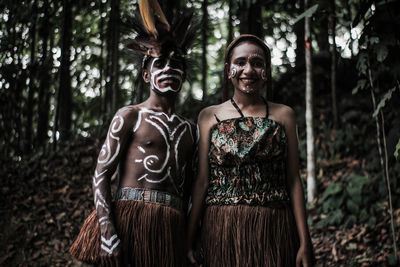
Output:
x,y
247,38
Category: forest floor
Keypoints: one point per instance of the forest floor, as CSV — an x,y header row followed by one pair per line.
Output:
x,y
44,201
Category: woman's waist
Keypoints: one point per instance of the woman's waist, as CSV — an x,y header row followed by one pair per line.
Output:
x,y
248,196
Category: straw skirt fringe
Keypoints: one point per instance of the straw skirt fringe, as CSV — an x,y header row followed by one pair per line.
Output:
x,y
151,235
249,236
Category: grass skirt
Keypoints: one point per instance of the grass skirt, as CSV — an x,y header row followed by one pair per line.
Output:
x,y
151,235
245,235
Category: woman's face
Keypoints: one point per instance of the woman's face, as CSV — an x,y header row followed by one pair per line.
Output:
x,y
247,69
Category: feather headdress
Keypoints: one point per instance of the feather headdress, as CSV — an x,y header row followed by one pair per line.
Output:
x,y
155,37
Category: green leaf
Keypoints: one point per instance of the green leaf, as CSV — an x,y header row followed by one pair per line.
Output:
x,y
382,53
350,220
362,62
396,152
363,215
308,13
336,217
352,206
360,85
374,40
382,103
372,221
331,189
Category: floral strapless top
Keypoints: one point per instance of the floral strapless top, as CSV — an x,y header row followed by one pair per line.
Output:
x,y
247,162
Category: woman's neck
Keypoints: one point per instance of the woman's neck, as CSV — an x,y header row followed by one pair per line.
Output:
x,y
244,99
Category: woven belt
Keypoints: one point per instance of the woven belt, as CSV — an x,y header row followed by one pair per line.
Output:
x,y
147,195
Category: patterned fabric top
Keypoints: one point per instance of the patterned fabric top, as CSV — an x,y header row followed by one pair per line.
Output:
x,y
247,161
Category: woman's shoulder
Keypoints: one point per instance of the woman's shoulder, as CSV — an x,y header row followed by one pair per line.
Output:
x,y
281,113
210,111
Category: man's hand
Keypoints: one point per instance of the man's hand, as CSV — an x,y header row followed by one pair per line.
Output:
x,y
110,248
111,258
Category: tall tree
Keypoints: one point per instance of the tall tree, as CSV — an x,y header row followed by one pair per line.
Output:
x,y
101,58
230,23
64,93
299,31
112,69
311,181
204,31
249,13
45,81
332,33
32,76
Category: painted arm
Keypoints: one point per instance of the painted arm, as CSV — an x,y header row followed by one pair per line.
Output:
x,y
304,255
200,184
107,162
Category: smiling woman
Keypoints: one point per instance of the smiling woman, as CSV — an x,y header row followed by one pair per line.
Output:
x,y
248,175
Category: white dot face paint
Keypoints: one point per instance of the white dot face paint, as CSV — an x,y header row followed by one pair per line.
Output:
x,y
233,72
166,75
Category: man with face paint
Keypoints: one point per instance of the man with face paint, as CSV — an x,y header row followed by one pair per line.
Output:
x,y
153,147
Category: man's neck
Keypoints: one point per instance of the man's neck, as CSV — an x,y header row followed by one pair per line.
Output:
x,y
162,103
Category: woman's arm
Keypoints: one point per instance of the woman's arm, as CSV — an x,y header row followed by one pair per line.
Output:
x,y
107,162
201,183
304,255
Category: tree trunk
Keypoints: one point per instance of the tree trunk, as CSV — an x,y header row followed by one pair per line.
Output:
x,y
204,48
65,95
332,32
299,31
250,18
230,22
32,87
349,18
169,8
20,84
321,23
380,127
311,182
115,54
101,60
44,88
112,87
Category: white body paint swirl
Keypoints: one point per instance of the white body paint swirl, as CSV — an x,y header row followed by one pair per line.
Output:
x,y
168,135
116,126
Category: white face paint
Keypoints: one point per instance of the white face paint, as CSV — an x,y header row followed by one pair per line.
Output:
x,y
172,137
159,76
233,72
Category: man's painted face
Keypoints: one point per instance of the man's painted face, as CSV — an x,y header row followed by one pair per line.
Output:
x,y
166,74
248,68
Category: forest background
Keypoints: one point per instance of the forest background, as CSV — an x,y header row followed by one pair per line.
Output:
x,y
64,72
